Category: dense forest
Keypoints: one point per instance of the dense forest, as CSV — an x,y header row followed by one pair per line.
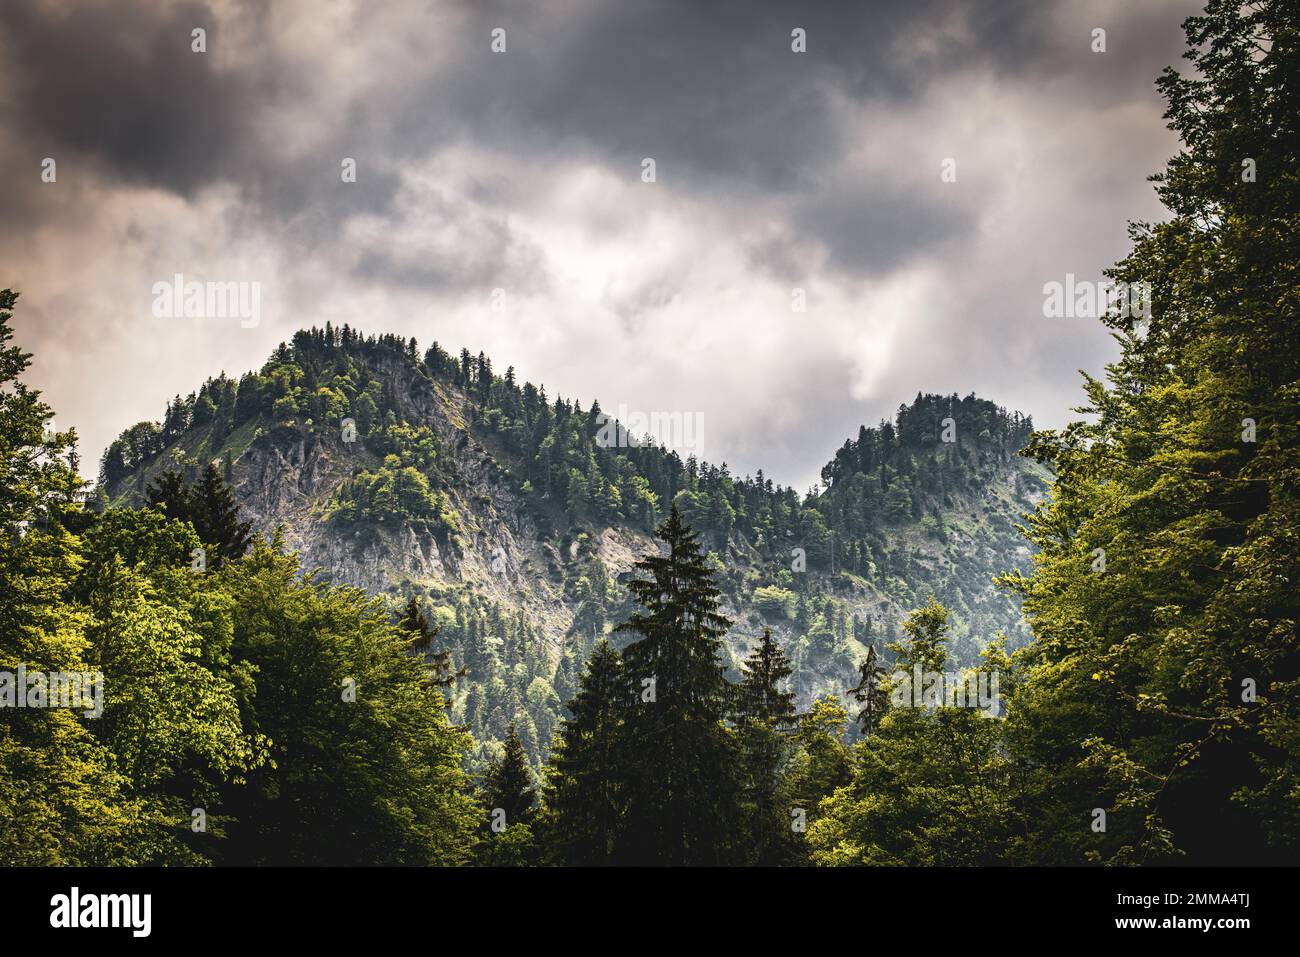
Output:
x,y
256,711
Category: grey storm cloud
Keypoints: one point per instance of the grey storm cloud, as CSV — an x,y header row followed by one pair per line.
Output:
x,y
118,84
697,86
520,171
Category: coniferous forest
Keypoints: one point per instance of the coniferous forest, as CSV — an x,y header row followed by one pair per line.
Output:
x,y
627,657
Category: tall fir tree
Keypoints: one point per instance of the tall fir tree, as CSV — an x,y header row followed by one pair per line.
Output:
x,y
584,795
509,797
217,516
679,758
762,695
508,784
765,716
209,506
170,495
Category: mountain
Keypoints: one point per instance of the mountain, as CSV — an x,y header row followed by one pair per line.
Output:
x,y
515,519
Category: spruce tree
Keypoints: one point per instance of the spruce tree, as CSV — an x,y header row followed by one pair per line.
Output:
x,y
761,695
678,757
216,516
508,783
209,506
584,801
171,496
870,692
765,715
413,621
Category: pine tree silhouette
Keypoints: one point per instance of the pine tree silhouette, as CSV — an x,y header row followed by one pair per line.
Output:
x,y
680,761
585,799
508,783
760,696
209,506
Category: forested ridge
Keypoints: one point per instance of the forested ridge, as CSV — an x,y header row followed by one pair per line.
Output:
x,y
258,711
517,497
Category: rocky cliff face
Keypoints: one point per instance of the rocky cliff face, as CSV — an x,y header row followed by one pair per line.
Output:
x,y
287,476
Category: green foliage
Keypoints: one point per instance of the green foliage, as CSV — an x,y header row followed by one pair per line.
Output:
x,y
820,762
391,493
365,764
62,798
930,784
226,691
516,846
1134,698
774,601
209,507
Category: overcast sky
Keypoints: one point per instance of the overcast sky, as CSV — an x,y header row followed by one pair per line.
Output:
x,y
522,171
